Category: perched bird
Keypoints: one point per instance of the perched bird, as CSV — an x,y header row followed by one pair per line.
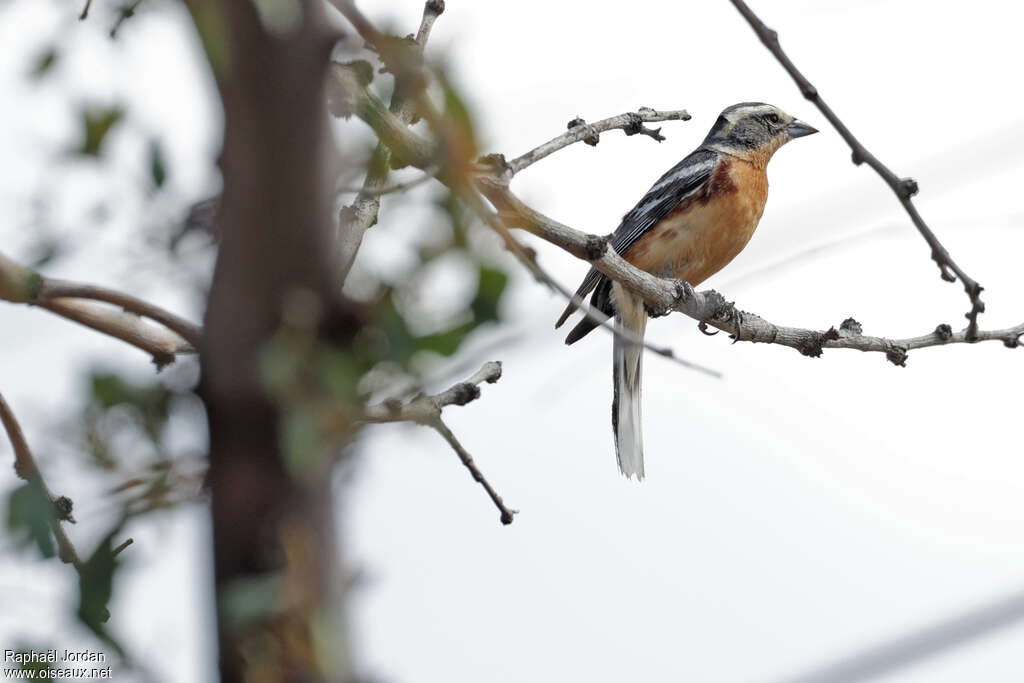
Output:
x,y
688,226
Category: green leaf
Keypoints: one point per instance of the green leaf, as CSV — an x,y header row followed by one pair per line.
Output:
x,y
24,655
157,163
362,70
96,124
152,402
488,295
302,442
462,142
45,252
30,512
212,27
445,343
250,599
96,586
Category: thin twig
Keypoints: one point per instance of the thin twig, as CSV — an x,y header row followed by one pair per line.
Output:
x,y
85,11
441,428
426,410
579,130
121,548
422,409
378,190
20,284
162,345
126,13
528,259
904,188
26,468
357,218
707,307
54,289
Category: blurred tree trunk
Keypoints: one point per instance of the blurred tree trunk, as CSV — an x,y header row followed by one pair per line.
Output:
x,y
274,542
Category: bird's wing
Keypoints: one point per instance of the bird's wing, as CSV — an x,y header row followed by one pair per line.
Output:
x,y
680,182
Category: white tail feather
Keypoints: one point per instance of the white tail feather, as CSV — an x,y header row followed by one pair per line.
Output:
x,y
627,365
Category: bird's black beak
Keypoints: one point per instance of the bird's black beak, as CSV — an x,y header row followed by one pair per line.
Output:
x,y
798,129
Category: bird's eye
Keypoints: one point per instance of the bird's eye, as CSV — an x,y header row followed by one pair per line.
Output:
x,y
774,118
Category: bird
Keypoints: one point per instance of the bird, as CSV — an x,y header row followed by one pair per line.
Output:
x,y
692,222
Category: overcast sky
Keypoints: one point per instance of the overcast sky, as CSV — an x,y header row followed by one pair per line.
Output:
x,y
793,512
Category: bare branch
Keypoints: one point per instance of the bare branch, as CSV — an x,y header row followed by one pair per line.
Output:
x,y
126,12
423,409
426,410
163,345
54,289
85,10
709,307
528,259
441,428
378,190
26,468
19,284
357,218
630,122
360,102
905,188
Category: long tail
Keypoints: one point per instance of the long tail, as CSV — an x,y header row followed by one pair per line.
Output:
x,y
627,366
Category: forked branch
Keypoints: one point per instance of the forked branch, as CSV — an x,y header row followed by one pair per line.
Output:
x,y
905,188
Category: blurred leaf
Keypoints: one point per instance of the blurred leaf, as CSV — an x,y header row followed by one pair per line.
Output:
x,y
444,343
340,372
152,402
24,654
44,63
488,295
157,163
459,217
459,135
211,25
45,252
30,511
362,70
96,585
250,599
96,123
302,441
388,337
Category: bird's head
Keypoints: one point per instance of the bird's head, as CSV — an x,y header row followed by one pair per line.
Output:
x,y
754,131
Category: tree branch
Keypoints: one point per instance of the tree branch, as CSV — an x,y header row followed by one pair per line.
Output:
x,y
422,409
20,284
351,96
709,307
426,410
55,289
527,258
630,122
126,12
358,217
662,295
441,428
904,188
26,468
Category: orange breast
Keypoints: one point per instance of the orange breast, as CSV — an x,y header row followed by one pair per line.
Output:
x,y
705,233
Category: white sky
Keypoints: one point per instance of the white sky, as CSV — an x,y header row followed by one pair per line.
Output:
x,y
795,511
